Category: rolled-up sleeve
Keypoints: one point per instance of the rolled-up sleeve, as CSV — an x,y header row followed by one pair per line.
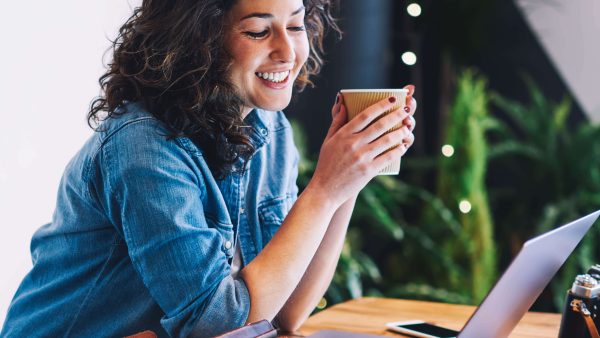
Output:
x,y
153,193
226,300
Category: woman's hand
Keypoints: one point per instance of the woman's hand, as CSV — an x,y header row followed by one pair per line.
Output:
x,y
354,152
410,107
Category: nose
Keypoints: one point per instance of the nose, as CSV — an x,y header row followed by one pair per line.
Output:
x,y
283,49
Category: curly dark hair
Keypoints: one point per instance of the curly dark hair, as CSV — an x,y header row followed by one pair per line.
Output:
x,y
169,56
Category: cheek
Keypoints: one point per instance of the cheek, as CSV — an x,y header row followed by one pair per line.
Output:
x,y
303,50
242,54
240,72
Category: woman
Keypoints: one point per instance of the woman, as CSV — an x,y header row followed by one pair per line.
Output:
x,y
181,215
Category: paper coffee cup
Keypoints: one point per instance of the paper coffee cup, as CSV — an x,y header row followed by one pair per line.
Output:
x,y
357,100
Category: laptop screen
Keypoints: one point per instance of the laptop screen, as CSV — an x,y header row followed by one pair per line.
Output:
x,y
525,279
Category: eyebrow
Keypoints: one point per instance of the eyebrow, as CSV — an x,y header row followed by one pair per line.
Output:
x,y
269,15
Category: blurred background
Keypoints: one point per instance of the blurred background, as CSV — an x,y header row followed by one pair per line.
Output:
x,y
507,144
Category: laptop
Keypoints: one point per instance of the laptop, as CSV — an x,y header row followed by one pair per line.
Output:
x,y
525,279
520,285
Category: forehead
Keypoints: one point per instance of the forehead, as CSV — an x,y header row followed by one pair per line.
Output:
x,y
278,8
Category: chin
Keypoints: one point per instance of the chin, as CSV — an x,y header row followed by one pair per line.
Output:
x,y
274,106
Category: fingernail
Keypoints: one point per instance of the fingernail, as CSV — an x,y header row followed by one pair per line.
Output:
x,y
337,98
392,99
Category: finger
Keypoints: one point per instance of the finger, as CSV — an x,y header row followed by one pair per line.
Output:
x,y
409,95
336,105
410,122
412,107
387,141
341,104
370,114
408,140
341,98
383,125
392,155
339,120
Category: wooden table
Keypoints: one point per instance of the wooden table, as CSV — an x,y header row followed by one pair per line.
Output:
x,y
369,315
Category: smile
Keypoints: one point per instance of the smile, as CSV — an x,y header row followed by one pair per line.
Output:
x,y
274,77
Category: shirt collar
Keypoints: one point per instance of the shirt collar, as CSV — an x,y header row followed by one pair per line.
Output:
x,y
259,128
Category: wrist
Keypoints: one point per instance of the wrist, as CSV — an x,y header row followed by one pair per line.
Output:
x,y
322,196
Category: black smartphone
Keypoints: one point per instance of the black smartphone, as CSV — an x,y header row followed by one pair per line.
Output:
x,y
419,328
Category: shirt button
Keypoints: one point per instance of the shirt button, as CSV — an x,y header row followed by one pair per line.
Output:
x,y
242,210
228,245
264,132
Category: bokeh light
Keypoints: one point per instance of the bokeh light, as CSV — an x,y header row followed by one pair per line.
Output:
x,y
414,10
464,206
447,150
409,58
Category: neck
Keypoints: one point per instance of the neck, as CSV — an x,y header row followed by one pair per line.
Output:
x,y
246,111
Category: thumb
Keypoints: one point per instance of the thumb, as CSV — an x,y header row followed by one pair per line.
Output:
x,y
339,119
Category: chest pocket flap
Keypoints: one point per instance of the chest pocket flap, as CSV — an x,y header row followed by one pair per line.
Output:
x,y
272,213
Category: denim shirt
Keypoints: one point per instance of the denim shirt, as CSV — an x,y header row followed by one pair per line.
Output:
x,y
143,235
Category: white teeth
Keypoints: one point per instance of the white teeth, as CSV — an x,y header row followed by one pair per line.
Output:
x,y
274,77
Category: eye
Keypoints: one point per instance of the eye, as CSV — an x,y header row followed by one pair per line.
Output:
x,y
256,35
297,28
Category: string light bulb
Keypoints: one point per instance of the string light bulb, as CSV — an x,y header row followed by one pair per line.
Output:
x,y
409,58
414,10
464,206
447,150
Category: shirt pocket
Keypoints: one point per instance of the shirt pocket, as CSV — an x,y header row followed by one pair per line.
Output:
x,y
271,214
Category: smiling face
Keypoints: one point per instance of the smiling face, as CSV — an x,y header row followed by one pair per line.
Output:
x,y
268,45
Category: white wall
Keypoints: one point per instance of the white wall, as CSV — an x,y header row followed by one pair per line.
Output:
x,y
51,58
569,31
